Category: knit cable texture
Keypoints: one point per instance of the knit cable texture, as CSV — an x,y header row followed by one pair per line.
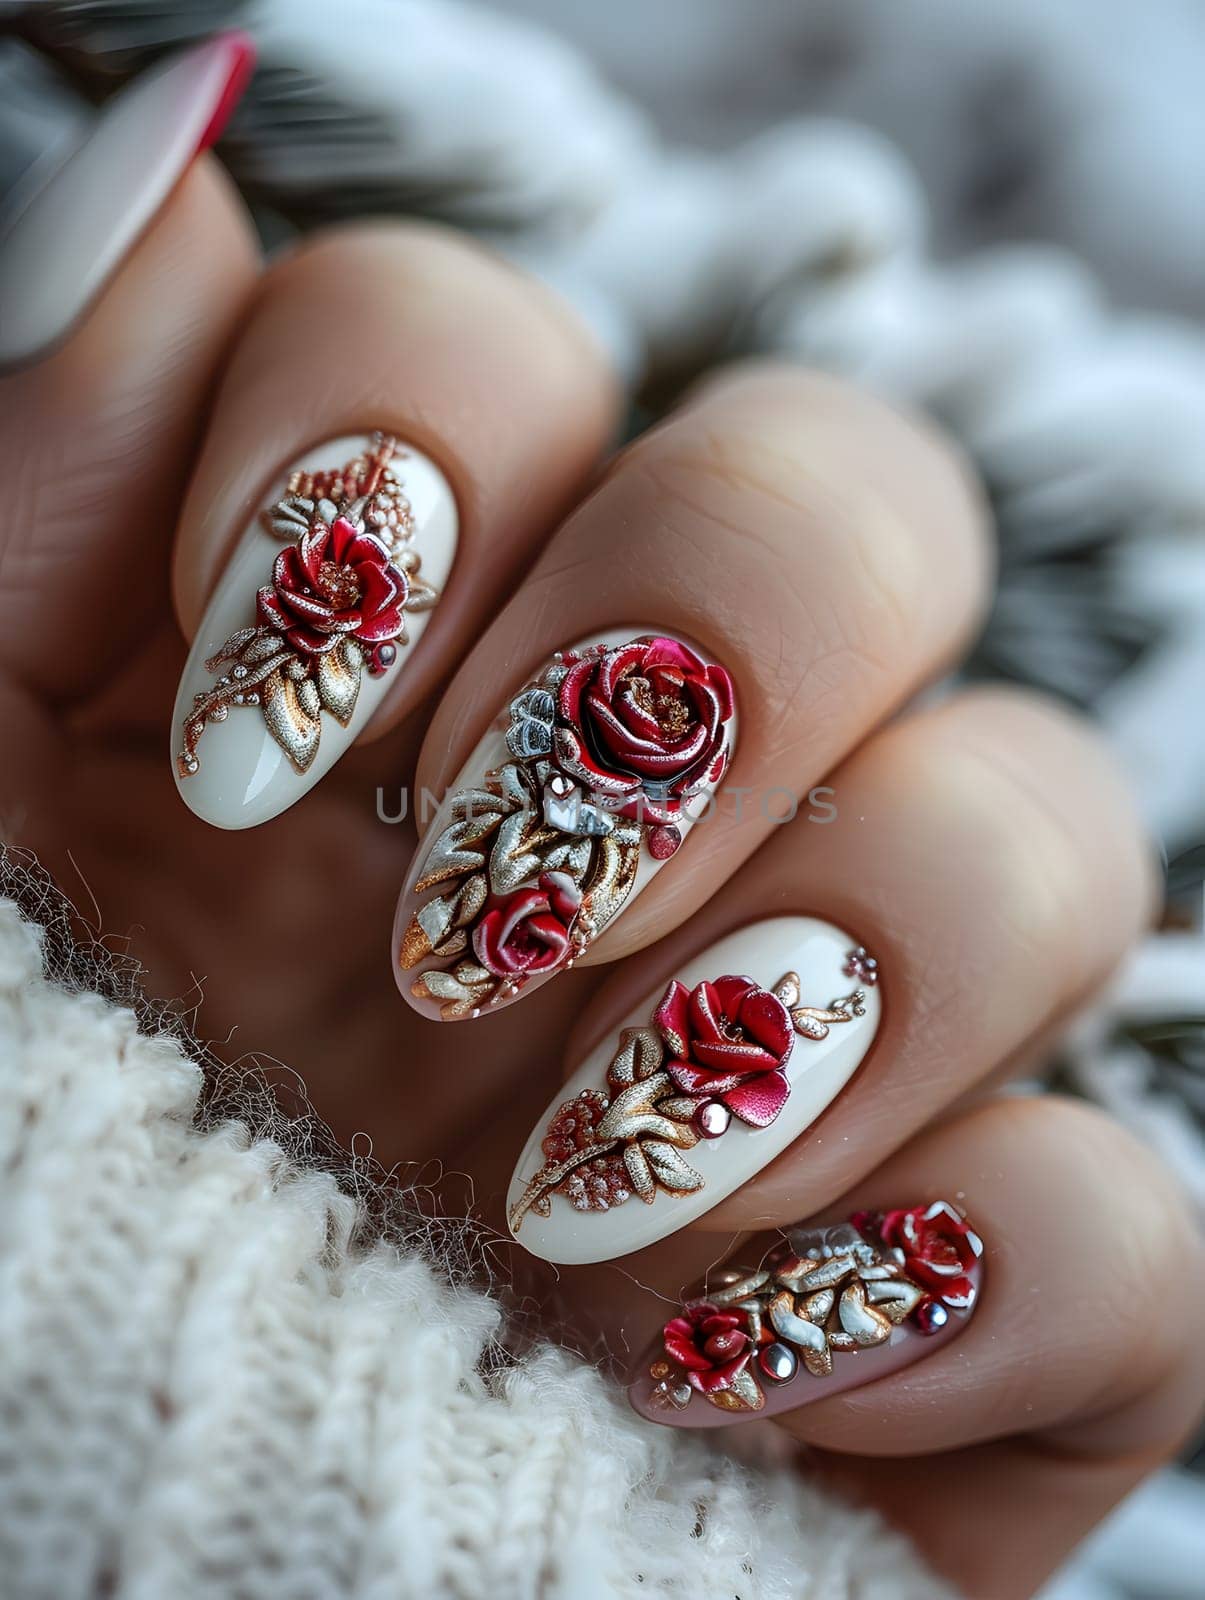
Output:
x,y
219,1379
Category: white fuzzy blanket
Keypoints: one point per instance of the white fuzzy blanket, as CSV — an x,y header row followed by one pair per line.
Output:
x,y
217,1380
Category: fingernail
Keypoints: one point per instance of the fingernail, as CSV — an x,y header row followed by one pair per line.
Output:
x,y
823,1309
312,622
588,784
706,1081
64,235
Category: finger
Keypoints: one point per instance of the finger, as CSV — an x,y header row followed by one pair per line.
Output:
x,y
96,439
401,421
1078,1346
985,863
807,556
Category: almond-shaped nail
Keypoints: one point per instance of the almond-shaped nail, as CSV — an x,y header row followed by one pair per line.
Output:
x,y
825,1308
76,216
706,1081
311,624
586,785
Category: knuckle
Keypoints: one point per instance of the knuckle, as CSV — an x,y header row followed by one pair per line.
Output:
x,y
1105,1187
1052,819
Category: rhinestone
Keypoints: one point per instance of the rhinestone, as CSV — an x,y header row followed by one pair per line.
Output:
x,y
381,659
240,671
667,1395
930,1316
712,1119
778,1362
662,842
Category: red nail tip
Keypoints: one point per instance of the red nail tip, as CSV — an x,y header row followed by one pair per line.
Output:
x,y
240,48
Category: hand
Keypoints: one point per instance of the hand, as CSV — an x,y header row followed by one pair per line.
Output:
x,y
833,557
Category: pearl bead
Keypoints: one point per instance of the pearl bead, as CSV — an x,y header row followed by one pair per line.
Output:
x,y
712,1119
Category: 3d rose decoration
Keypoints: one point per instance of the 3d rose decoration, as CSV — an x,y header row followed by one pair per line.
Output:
x,y
607,747
528,931
643,726
710,1345
724,1047
728,1041
334,581
935,1245
334,607
819,1297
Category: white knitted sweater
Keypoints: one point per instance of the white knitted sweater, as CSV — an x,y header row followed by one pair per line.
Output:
x,y
217,1379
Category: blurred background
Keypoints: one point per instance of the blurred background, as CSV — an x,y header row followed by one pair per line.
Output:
x,y
993,209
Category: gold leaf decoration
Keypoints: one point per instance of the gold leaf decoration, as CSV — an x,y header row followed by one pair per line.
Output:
x,y
743,1394
438,927
459,992
295,729
787,989
639,1055
337,676
634,1114
616,860
519,850
476,815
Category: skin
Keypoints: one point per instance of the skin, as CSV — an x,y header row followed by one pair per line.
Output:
x,y
835,555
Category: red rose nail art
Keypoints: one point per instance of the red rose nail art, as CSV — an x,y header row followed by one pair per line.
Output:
x,y
333,608
643,726
826,1309
713,1052
578,798
935,1246
728,1041
528,931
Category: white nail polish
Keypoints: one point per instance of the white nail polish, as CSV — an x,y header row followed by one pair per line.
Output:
x,y
705,1082
587,784
63,235
314,627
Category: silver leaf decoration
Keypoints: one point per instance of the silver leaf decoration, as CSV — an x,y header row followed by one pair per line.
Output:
x,y
530,731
